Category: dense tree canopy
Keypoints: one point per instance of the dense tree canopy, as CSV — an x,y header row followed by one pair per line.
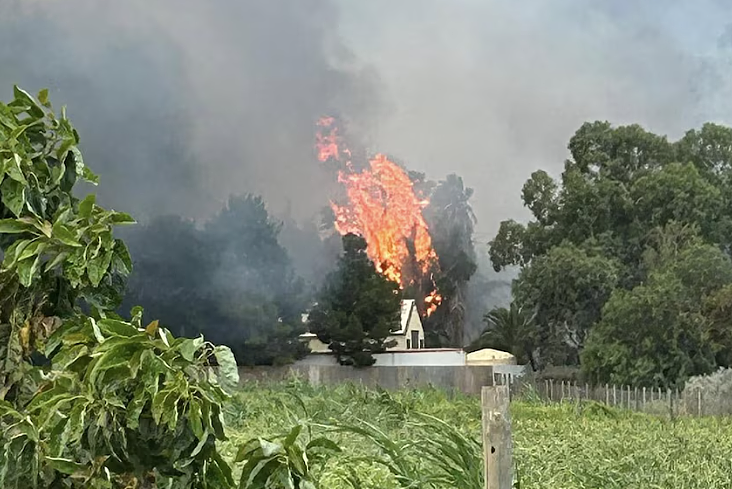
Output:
x,y
658,333
566,274
634,233
357,307
231,281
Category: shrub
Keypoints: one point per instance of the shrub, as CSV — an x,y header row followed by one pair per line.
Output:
x,y
88,400
715,390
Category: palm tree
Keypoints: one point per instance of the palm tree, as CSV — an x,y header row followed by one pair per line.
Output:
x,y
451,221
511,329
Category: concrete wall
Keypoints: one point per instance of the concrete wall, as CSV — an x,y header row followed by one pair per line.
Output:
x,y
424,357
427,357
468,380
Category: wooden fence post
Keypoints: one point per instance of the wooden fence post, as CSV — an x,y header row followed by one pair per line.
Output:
x,y
698,401
497,444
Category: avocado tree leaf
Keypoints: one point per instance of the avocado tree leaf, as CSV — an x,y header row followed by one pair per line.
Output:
x,y
87,205
13,196
228,372
27,270
13,226
62,233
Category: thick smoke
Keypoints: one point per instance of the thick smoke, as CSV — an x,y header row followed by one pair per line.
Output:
x,y
493,90
181,102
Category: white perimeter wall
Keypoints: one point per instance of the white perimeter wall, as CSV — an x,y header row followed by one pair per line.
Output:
x,y
441,358
400,358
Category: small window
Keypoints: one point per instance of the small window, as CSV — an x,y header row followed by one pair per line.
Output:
x,y
421,344
409,345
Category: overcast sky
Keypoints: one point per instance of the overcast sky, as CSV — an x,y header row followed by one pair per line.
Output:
x,y
493,90
181,102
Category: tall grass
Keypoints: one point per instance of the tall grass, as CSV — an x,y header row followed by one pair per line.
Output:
x,y
426,439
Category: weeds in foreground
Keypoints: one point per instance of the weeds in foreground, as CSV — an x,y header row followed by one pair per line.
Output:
x,y
436,435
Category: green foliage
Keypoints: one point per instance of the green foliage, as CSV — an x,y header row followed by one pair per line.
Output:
x,y
357,307
511,329
57,251
284,464
595,234
674,342
231,281
566,289
718,311
122,402
555,445
114,404
383,439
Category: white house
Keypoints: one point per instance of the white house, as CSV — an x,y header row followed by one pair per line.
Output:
x,y
410,350
409,336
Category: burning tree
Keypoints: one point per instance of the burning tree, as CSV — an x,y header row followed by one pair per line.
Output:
x,y
390,209
381,205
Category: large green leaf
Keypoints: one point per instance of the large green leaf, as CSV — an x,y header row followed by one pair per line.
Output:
x,y
26,100
62,233
13,226
87,205
65,465
27,269
228,371
13,196
98,266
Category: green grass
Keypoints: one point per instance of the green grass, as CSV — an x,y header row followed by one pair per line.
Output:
x,y
555,446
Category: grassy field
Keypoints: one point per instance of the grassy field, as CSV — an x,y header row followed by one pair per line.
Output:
x,y
555,446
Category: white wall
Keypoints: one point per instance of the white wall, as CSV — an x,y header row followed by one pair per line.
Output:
x,y
433,358
421,357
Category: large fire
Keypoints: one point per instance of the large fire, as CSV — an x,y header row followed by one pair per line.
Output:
x,y
383,208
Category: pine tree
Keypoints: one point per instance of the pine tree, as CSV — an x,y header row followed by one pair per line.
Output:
x,y
357,307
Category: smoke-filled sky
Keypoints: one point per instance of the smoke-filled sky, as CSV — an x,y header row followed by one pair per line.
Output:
x,y
181,102
494,89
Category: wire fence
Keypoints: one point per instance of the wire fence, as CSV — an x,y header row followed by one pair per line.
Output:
x,y
672,402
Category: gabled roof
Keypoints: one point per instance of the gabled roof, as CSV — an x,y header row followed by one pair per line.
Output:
x,y
408,308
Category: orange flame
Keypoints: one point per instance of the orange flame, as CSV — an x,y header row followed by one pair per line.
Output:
x,y
383,208
327,144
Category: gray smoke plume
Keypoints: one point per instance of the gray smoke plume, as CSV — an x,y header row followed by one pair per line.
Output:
x,y
493,90
182,102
